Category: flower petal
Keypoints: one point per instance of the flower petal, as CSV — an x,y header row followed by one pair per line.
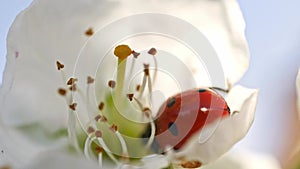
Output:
x,y
228,131
244,160
18,150
56,159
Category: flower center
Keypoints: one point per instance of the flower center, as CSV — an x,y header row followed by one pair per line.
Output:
x,y
111,132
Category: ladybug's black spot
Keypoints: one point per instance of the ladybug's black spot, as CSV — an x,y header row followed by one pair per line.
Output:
x,y
173,128
171,102
202,90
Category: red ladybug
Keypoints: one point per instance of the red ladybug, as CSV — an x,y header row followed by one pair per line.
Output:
x,y
185,114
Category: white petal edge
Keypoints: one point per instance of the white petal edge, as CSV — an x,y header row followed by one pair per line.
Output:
x,y
244,159
229,131
58,159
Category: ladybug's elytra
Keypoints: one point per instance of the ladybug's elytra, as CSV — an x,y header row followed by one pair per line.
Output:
x,y
185,114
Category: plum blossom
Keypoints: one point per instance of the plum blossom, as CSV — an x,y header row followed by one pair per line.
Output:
x,y
69,81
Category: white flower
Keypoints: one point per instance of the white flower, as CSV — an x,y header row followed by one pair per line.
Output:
x,y
77,38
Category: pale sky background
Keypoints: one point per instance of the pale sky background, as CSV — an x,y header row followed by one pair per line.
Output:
x,y
273,33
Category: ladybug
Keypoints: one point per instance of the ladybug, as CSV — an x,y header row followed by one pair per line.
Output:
x,y
185,114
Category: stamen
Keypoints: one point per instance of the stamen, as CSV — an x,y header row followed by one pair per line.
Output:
x,y
148,113
73,88
98,135
112,84
90,80
99,151
146,73
135,54
98,117
59,65
88,142
89,32
101,106
153,52
62,91
73,106
130,96
72,81
114,129
138,87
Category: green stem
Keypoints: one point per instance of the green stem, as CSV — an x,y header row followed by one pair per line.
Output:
x,y
120,77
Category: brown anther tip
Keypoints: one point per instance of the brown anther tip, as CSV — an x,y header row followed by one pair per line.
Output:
x,y
122,51
73,106
62,91
114,128
73,87
103,119
72,81
146,69
191,164
98,149
138,87
112,84
59,65
89,32
98,133
147,111
90,130
90,80
130,96
101,106
152,51
135,54
98,117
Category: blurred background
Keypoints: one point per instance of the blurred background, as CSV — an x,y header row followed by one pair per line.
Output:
x,y
273,33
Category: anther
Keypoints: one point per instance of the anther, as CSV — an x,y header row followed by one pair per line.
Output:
x,y
122,51
103,119
98,117
90,130
59,65
114,128
152,51
147,111
89,32
138,87
146,69
101,106
62,91
98,149
90,80
72,81
130,96
191,164
73,87
98,134
135,54
73,106
112,84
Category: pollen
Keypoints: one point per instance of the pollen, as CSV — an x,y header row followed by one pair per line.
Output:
x,y
99,149
114,128
152,51
191,164
98,117
122,51
89,32
98,133
73,106
90,130
112,84
71,81
130,96
59,65
135,54
101,106
62,91
90,80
